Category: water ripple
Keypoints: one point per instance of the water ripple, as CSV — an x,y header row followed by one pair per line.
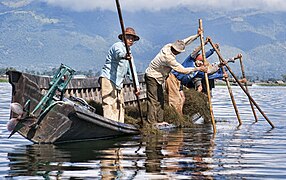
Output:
x,y
250,151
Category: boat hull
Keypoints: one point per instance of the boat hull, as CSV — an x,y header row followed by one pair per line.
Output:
x,y
66,121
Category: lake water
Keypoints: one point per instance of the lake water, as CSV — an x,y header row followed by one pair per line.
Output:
x,y
251,151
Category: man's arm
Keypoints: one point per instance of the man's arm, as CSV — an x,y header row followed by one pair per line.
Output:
x,y
196,51
120,51
135,73
190,39
181,69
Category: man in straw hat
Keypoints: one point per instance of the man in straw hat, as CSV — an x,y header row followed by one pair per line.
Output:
x,y
114,71
176,80
157,72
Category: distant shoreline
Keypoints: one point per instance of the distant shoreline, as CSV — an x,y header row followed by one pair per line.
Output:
x,y
256,84
3,80
269,84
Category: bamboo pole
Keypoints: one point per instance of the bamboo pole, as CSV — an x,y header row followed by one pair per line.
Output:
x,y
128,54
232,98
229,88
206,77
240,85
245,85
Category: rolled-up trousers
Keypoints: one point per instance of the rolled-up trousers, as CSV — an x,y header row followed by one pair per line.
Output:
x,y
112,100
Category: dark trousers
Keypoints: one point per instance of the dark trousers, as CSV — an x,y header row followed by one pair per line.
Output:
x,y
211,85
155,100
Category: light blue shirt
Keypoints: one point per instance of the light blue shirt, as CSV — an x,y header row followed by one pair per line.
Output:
x,y
116,68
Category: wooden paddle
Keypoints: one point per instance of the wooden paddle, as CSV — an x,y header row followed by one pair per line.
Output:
x,y
206,77
128,54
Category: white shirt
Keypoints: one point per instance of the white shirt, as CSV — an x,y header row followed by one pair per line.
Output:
x,y
160,67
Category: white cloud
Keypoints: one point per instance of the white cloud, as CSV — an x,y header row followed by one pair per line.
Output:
x,y
16,4
155,5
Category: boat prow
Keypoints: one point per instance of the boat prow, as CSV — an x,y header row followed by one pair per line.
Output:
x,y
64,120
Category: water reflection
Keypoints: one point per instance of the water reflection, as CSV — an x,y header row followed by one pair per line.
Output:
x,y
184,153
250,151
93,158
187,153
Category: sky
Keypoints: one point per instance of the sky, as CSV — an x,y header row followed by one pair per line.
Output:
x,y
157,5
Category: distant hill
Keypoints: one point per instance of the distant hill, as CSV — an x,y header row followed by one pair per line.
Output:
x,y
36,36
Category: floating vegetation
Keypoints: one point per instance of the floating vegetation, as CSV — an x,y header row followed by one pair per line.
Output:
x,y
196,103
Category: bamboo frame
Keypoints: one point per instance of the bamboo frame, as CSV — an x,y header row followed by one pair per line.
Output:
x,y
206,77
246,88
240,85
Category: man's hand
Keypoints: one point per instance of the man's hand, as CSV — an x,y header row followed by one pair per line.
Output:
x,y
200,31
137,93
239,55
208,39
213,68
225,75
128,57
202,68
243,80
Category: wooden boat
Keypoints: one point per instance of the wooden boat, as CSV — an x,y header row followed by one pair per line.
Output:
x,y
59,112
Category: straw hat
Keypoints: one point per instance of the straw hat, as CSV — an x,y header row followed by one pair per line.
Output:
x,y
179,46
129,31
